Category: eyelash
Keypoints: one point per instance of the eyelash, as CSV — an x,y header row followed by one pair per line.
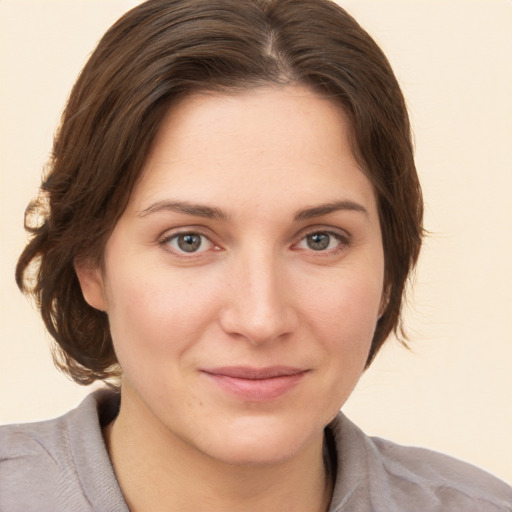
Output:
x,y
167,240
343,241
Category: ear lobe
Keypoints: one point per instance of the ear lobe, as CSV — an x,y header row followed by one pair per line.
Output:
x,y
92,284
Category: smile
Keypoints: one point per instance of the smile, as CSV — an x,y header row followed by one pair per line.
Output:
x,y
256,384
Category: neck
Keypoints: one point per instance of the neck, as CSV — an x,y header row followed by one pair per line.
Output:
x,y
158,471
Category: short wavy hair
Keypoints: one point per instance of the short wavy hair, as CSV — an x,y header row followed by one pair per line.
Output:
x,y
159,52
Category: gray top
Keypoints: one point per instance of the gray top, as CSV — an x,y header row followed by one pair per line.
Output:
x,y
63,465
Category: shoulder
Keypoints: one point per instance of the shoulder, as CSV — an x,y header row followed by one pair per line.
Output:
x,y
52,465
31,455
395,477
35,465
443,478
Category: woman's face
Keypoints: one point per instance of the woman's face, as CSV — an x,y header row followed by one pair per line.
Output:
x,y
244,280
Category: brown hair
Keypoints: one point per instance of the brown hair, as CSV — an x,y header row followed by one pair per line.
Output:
x,y
162,50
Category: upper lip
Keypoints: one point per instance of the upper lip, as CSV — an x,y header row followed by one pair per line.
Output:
x,y
248,372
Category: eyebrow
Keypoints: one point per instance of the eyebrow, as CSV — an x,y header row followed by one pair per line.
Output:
x,y
210,212
197,210
325,209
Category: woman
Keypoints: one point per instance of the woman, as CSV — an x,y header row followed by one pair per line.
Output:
x,y
230,216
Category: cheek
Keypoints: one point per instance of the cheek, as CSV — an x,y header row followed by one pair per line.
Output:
x,y
343,314
351,299
153,312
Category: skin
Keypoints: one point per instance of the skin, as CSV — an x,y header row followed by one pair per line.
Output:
x,y
274,168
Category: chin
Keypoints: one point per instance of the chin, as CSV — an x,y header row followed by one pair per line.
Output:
x,y
263,441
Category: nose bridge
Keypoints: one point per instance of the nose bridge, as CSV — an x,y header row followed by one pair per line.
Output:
x,y
258,307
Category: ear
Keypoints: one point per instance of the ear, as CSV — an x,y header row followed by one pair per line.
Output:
x,y
92,284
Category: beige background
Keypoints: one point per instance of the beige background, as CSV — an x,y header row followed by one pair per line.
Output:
x,y
453,391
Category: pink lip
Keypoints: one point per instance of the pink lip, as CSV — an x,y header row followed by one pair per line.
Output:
x,y
256,384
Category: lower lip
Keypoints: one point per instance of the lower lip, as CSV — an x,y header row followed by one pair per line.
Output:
x,y
257,390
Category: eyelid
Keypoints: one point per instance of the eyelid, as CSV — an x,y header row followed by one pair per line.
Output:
x,y
170,234
342,235
322,228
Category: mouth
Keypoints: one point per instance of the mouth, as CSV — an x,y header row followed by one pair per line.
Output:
x,y
256,384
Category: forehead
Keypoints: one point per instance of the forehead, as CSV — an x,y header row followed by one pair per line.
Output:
x,y
254,143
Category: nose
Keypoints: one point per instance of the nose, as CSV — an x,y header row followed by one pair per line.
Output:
x,y
258,304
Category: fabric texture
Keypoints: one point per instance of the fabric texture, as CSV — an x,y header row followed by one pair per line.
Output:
x,y
63,465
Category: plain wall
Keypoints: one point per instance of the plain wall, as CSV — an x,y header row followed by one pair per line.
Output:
x,y
453,391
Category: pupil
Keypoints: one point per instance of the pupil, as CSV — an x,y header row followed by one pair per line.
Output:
x,y
318,241
189,243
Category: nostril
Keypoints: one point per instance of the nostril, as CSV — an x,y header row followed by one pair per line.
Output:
x,y
257,323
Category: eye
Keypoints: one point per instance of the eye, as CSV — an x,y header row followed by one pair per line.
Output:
x,y
322,241
188,243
